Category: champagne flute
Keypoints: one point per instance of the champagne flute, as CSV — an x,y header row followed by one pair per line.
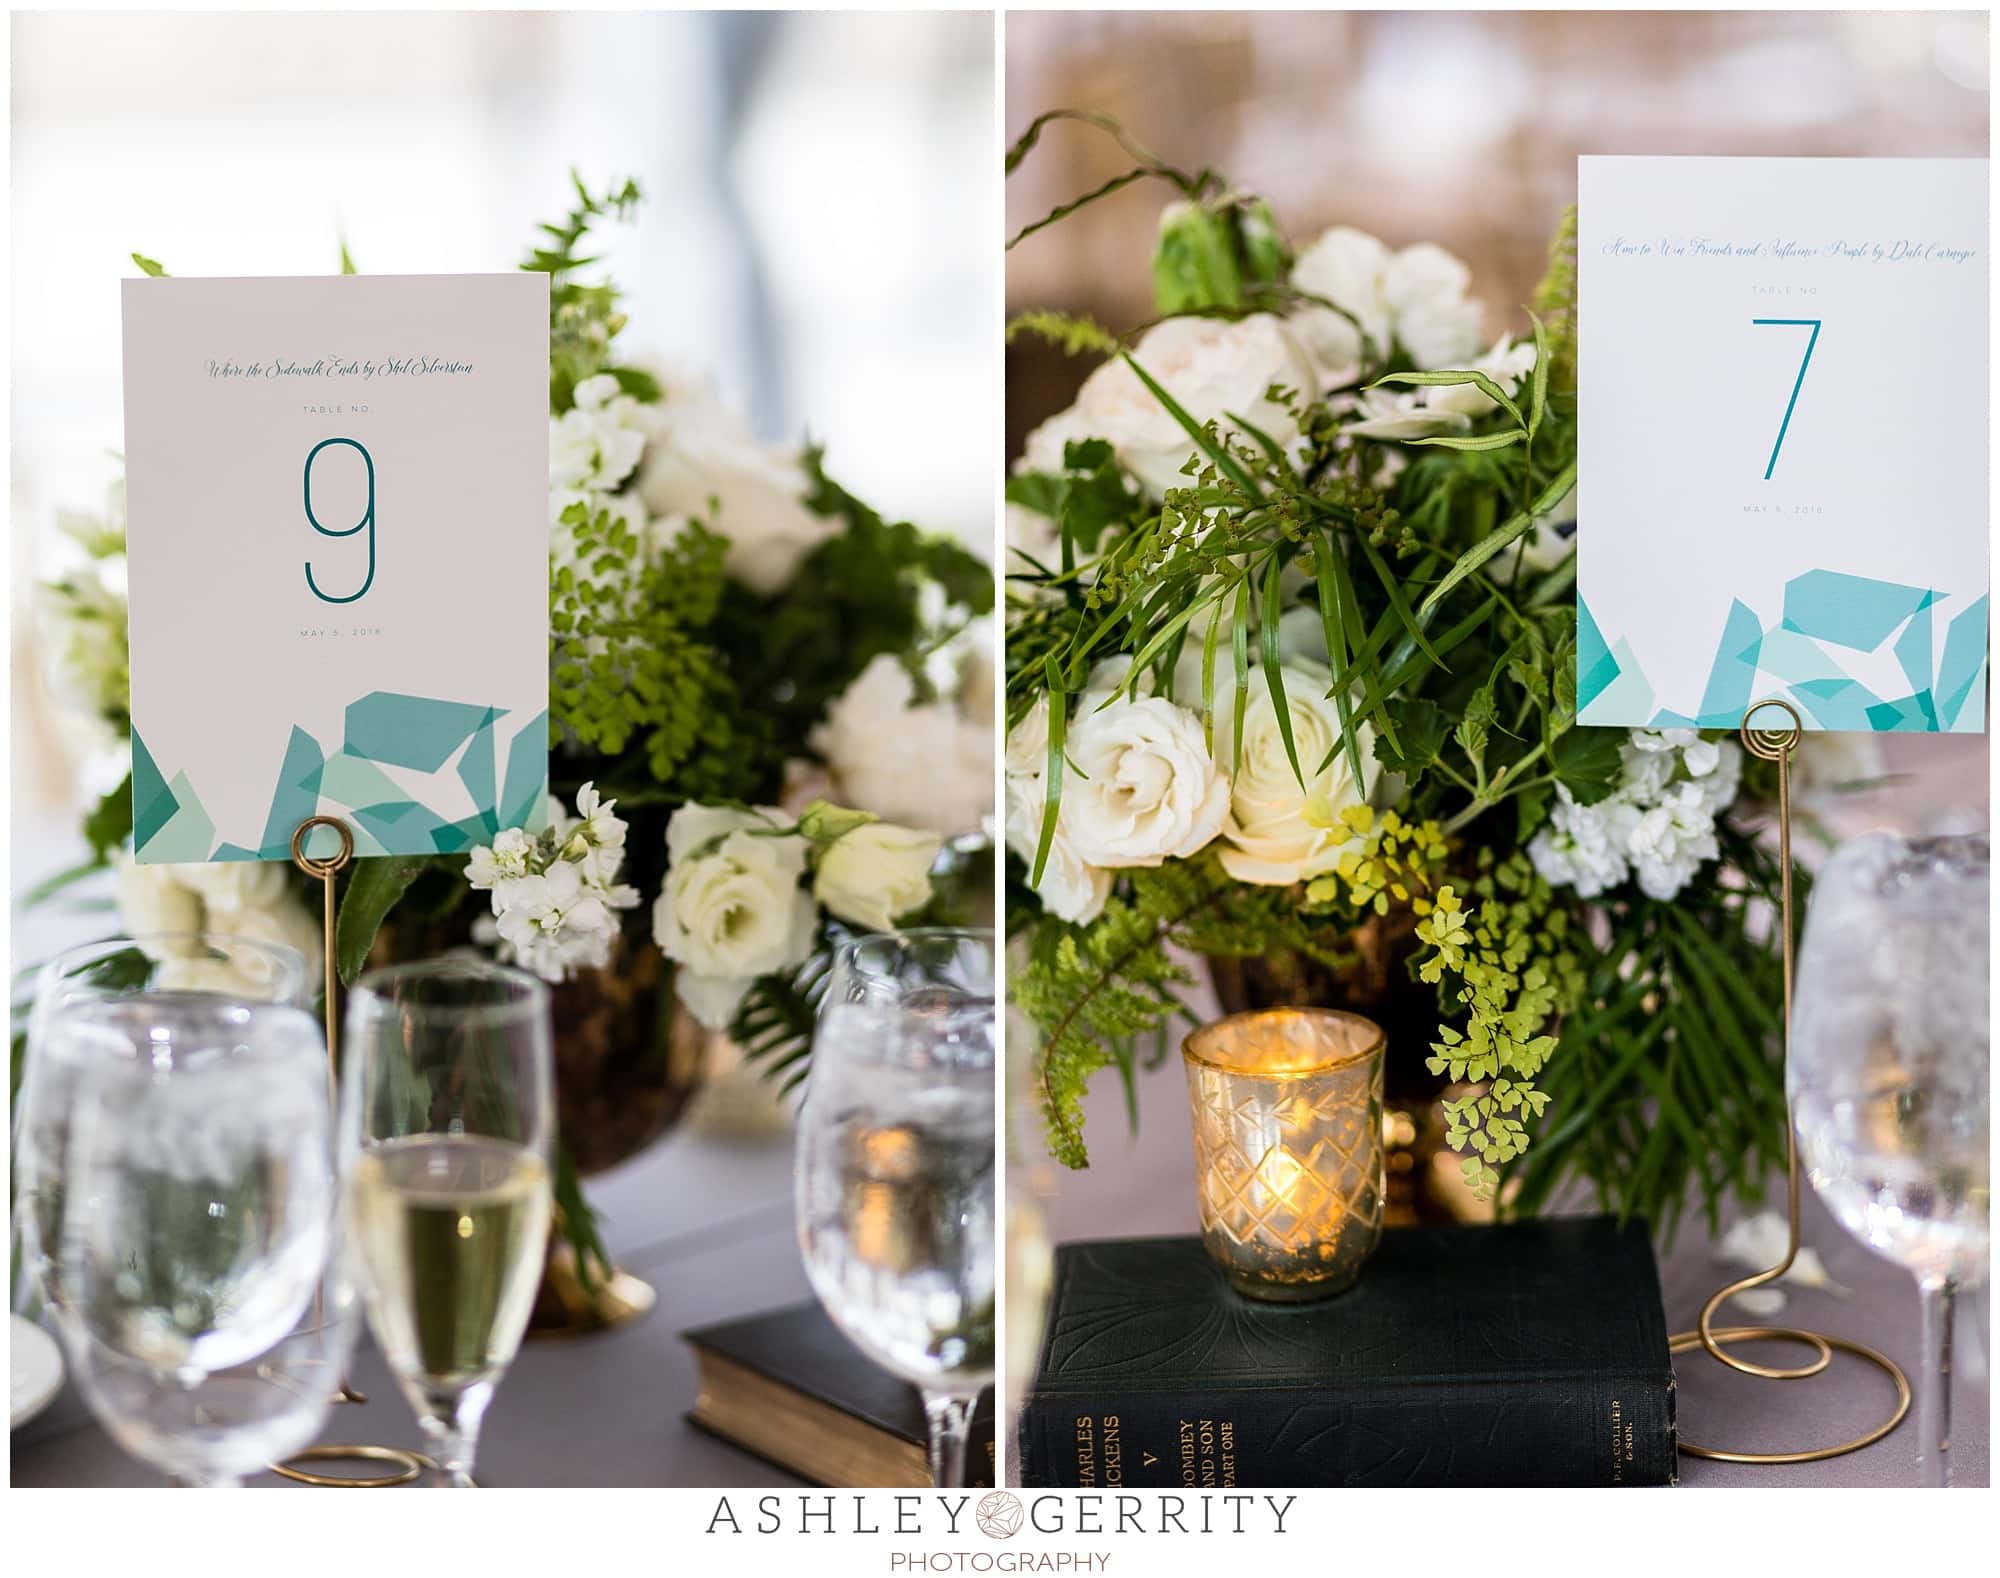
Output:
x,y
895,1199
1888,1076
926,964
180,966
447,1121
200,1299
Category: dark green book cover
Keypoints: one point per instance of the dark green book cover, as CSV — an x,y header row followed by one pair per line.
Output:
x,y
1529,1354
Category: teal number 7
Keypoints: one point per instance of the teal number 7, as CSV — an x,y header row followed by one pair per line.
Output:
x,y
1797,383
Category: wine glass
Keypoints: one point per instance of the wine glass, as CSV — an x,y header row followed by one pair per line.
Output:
x,y
1888,1075
447,1121
895,1198
926,964
205,1314
179,966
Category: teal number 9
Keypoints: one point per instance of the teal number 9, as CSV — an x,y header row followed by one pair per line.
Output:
x,y
367,520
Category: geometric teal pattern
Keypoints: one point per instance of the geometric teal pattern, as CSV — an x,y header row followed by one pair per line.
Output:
x,y
503,771
1939,662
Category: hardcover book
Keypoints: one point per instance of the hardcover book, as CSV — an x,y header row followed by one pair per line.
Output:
x,y
1529,1354
791,1388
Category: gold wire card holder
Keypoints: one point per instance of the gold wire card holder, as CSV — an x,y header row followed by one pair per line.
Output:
x,y
401,1464
1777,746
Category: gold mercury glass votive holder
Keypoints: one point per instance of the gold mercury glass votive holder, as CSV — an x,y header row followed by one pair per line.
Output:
x,y
1288,1148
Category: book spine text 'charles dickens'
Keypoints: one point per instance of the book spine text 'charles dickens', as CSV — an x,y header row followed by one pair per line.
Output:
x,y
1551,1430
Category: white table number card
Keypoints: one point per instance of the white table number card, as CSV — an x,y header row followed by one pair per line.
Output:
x,y
1783,437
338,545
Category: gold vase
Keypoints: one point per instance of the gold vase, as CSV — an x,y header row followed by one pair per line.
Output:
x,y
1287,1108
628,1062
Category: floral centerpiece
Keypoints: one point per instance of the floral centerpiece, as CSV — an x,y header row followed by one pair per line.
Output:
x,y
1291,689
742,654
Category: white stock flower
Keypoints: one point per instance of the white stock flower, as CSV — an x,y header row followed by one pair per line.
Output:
x,y
1279,833
876,873
1145,788
927,764
1211,366
595,444
732,908
704,463
554,894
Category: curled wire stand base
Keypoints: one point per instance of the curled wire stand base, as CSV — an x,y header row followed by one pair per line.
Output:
x,y
405,1466
1776,746
1686,1341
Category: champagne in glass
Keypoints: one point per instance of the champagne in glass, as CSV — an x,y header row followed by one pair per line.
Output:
x,y
1889,1075
895,1196
447,1122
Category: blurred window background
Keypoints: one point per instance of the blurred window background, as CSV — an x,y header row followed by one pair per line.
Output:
x,y
1461,128
817,231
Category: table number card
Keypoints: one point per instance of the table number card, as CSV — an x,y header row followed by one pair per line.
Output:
x,y
1783,436
338,505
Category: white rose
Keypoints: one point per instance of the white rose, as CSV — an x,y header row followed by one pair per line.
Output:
x,y
875,873
1279,833
287,923
928,765
703,463
229,887
1145,788
1211,367
1347,268
1425,288
1071,889
152,900
730,913
1043,448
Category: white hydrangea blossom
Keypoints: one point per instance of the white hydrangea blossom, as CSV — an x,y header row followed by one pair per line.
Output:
x,y
555,895
1658,828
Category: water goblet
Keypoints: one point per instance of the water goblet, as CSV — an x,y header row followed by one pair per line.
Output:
x,y
1888,1075
179,966
895,1198
200,1296
926,965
